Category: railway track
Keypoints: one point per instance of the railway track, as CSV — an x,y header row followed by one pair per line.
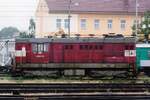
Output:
x,y
74,88
74,91
78,97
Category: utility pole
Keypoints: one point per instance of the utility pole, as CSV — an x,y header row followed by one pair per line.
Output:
x,y
69,17
136,26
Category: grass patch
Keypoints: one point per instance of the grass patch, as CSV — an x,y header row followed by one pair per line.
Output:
x,y
42,79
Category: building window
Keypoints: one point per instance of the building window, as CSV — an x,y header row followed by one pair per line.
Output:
x,y
83,24
110,24
123,24
66,24
138,23
58,23
96,24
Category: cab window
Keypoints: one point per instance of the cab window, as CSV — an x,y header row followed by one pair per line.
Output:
x,y
40,47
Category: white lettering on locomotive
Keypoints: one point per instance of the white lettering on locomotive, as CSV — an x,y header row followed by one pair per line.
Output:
x,y
21,53
130,53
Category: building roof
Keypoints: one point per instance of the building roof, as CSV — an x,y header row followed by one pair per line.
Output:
x,y
125,6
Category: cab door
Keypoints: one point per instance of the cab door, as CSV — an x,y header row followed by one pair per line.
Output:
x,y
40,53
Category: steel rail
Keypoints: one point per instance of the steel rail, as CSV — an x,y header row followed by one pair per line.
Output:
x,y
77,97
73,88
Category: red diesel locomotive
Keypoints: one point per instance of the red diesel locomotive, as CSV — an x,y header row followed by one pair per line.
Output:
x,y
95,57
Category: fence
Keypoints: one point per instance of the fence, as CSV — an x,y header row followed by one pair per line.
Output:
x,y
7,48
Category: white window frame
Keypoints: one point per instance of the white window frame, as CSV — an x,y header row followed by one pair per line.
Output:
x,y
138,22
58,23
110,23
83,23
123,24
66,23
96,24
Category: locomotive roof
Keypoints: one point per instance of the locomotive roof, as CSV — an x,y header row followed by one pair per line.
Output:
x,y
79,40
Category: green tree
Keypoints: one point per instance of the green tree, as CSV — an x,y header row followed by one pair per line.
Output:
x,y
145,25
23,34
32,28
9,32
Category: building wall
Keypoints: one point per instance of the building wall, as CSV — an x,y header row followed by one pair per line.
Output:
x,y
49,27
103,18
46,22
42,10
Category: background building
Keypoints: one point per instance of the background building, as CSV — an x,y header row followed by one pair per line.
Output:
x,y
88,16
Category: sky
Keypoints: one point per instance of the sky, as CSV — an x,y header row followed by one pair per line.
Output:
x,y
17,13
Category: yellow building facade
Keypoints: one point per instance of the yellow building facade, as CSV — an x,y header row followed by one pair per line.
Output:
x,y
84,22
121,24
